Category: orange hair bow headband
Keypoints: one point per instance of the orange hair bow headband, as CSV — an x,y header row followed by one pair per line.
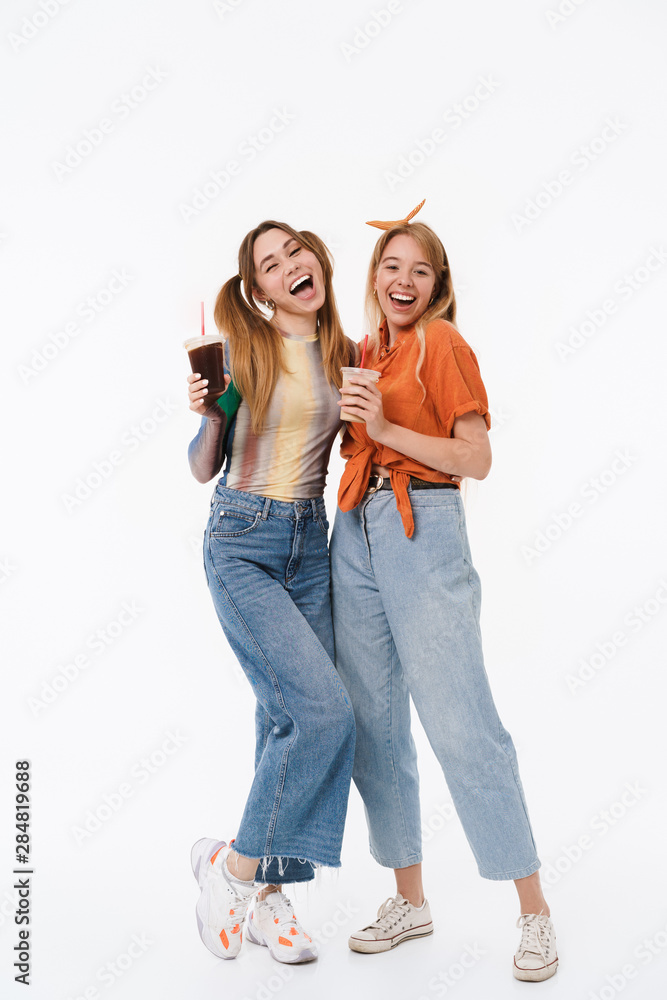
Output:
x,y
398,222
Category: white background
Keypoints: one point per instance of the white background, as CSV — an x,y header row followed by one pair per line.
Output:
x,y
557,592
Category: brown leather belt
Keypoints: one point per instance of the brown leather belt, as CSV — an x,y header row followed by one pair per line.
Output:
x,y
377,482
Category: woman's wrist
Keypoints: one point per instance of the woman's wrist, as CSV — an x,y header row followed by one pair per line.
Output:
x,y
387,435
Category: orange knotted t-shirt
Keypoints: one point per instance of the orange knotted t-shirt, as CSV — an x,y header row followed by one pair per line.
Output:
x,y
450,374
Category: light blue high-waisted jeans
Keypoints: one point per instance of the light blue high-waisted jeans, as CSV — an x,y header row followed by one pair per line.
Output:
x,y
406,623
267,565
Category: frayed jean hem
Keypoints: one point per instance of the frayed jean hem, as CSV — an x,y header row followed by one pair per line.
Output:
x,y
282,868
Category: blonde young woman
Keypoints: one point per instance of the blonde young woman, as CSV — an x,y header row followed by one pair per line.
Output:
x,y
267,565
403,573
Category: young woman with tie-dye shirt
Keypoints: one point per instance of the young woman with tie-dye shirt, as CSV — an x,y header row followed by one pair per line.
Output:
x,y
267,565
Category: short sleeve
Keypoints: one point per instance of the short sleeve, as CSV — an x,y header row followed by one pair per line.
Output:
x,y
460,388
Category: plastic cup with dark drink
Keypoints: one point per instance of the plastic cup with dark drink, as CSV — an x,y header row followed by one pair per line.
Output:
x,y
207,357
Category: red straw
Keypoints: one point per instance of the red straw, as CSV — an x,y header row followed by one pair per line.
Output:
x,y
202,319
363,353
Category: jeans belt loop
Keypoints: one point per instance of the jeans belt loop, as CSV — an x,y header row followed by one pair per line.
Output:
x,y
267,508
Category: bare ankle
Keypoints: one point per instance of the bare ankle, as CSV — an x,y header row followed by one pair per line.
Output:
x,y
241,867
409,883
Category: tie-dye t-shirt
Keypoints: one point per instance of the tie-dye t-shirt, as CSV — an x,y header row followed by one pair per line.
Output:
x,y
289,459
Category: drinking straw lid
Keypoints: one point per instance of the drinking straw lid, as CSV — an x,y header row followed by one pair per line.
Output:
x,y
397,222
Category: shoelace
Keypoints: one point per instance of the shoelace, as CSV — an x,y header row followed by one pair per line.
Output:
x,y
283,914
533,927
390,913
281,908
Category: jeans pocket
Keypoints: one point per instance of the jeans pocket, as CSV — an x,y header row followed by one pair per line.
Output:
x,y
228,522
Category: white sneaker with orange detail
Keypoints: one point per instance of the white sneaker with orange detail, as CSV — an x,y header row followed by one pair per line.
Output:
x,y
222,906
271,922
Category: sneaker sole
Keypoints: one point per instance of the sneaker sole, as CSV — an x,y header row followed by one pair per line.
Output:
x,y
536,975
253,934
386,944
201,852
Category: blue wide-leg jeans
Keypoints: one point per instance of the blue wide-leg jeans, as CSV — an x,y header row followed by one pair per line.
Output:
x,y
406,623
267,566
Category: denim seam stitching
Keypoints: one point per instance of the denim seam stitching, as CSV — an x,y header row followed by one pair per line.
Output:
x,y
518,873
279,791
500,740
469,564
276,686
445,502
265,729
234,502
410,859
296,555
235,534
394,655
321,524
243,622
515,775
364,529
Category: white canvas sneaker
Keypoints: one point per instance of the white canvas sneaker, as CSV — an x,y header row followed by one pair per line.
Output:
x,y
536,957
397,921
224,899
272,923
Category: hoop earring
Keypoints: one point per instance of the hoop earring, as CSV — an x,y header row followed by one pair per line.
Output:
x,y
269,303
375,293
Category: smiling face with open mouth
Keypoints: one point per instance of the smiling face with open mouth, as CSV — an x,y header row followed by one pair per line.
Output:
x,y
291,276
404,283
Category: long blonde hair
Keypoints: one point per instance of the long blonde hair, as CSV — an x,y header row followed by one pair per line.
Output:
x,y
443,301
256,358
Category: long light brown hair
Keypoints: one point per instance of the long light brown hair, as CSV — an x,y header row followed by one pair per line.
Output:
x,y
256,357
443,301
